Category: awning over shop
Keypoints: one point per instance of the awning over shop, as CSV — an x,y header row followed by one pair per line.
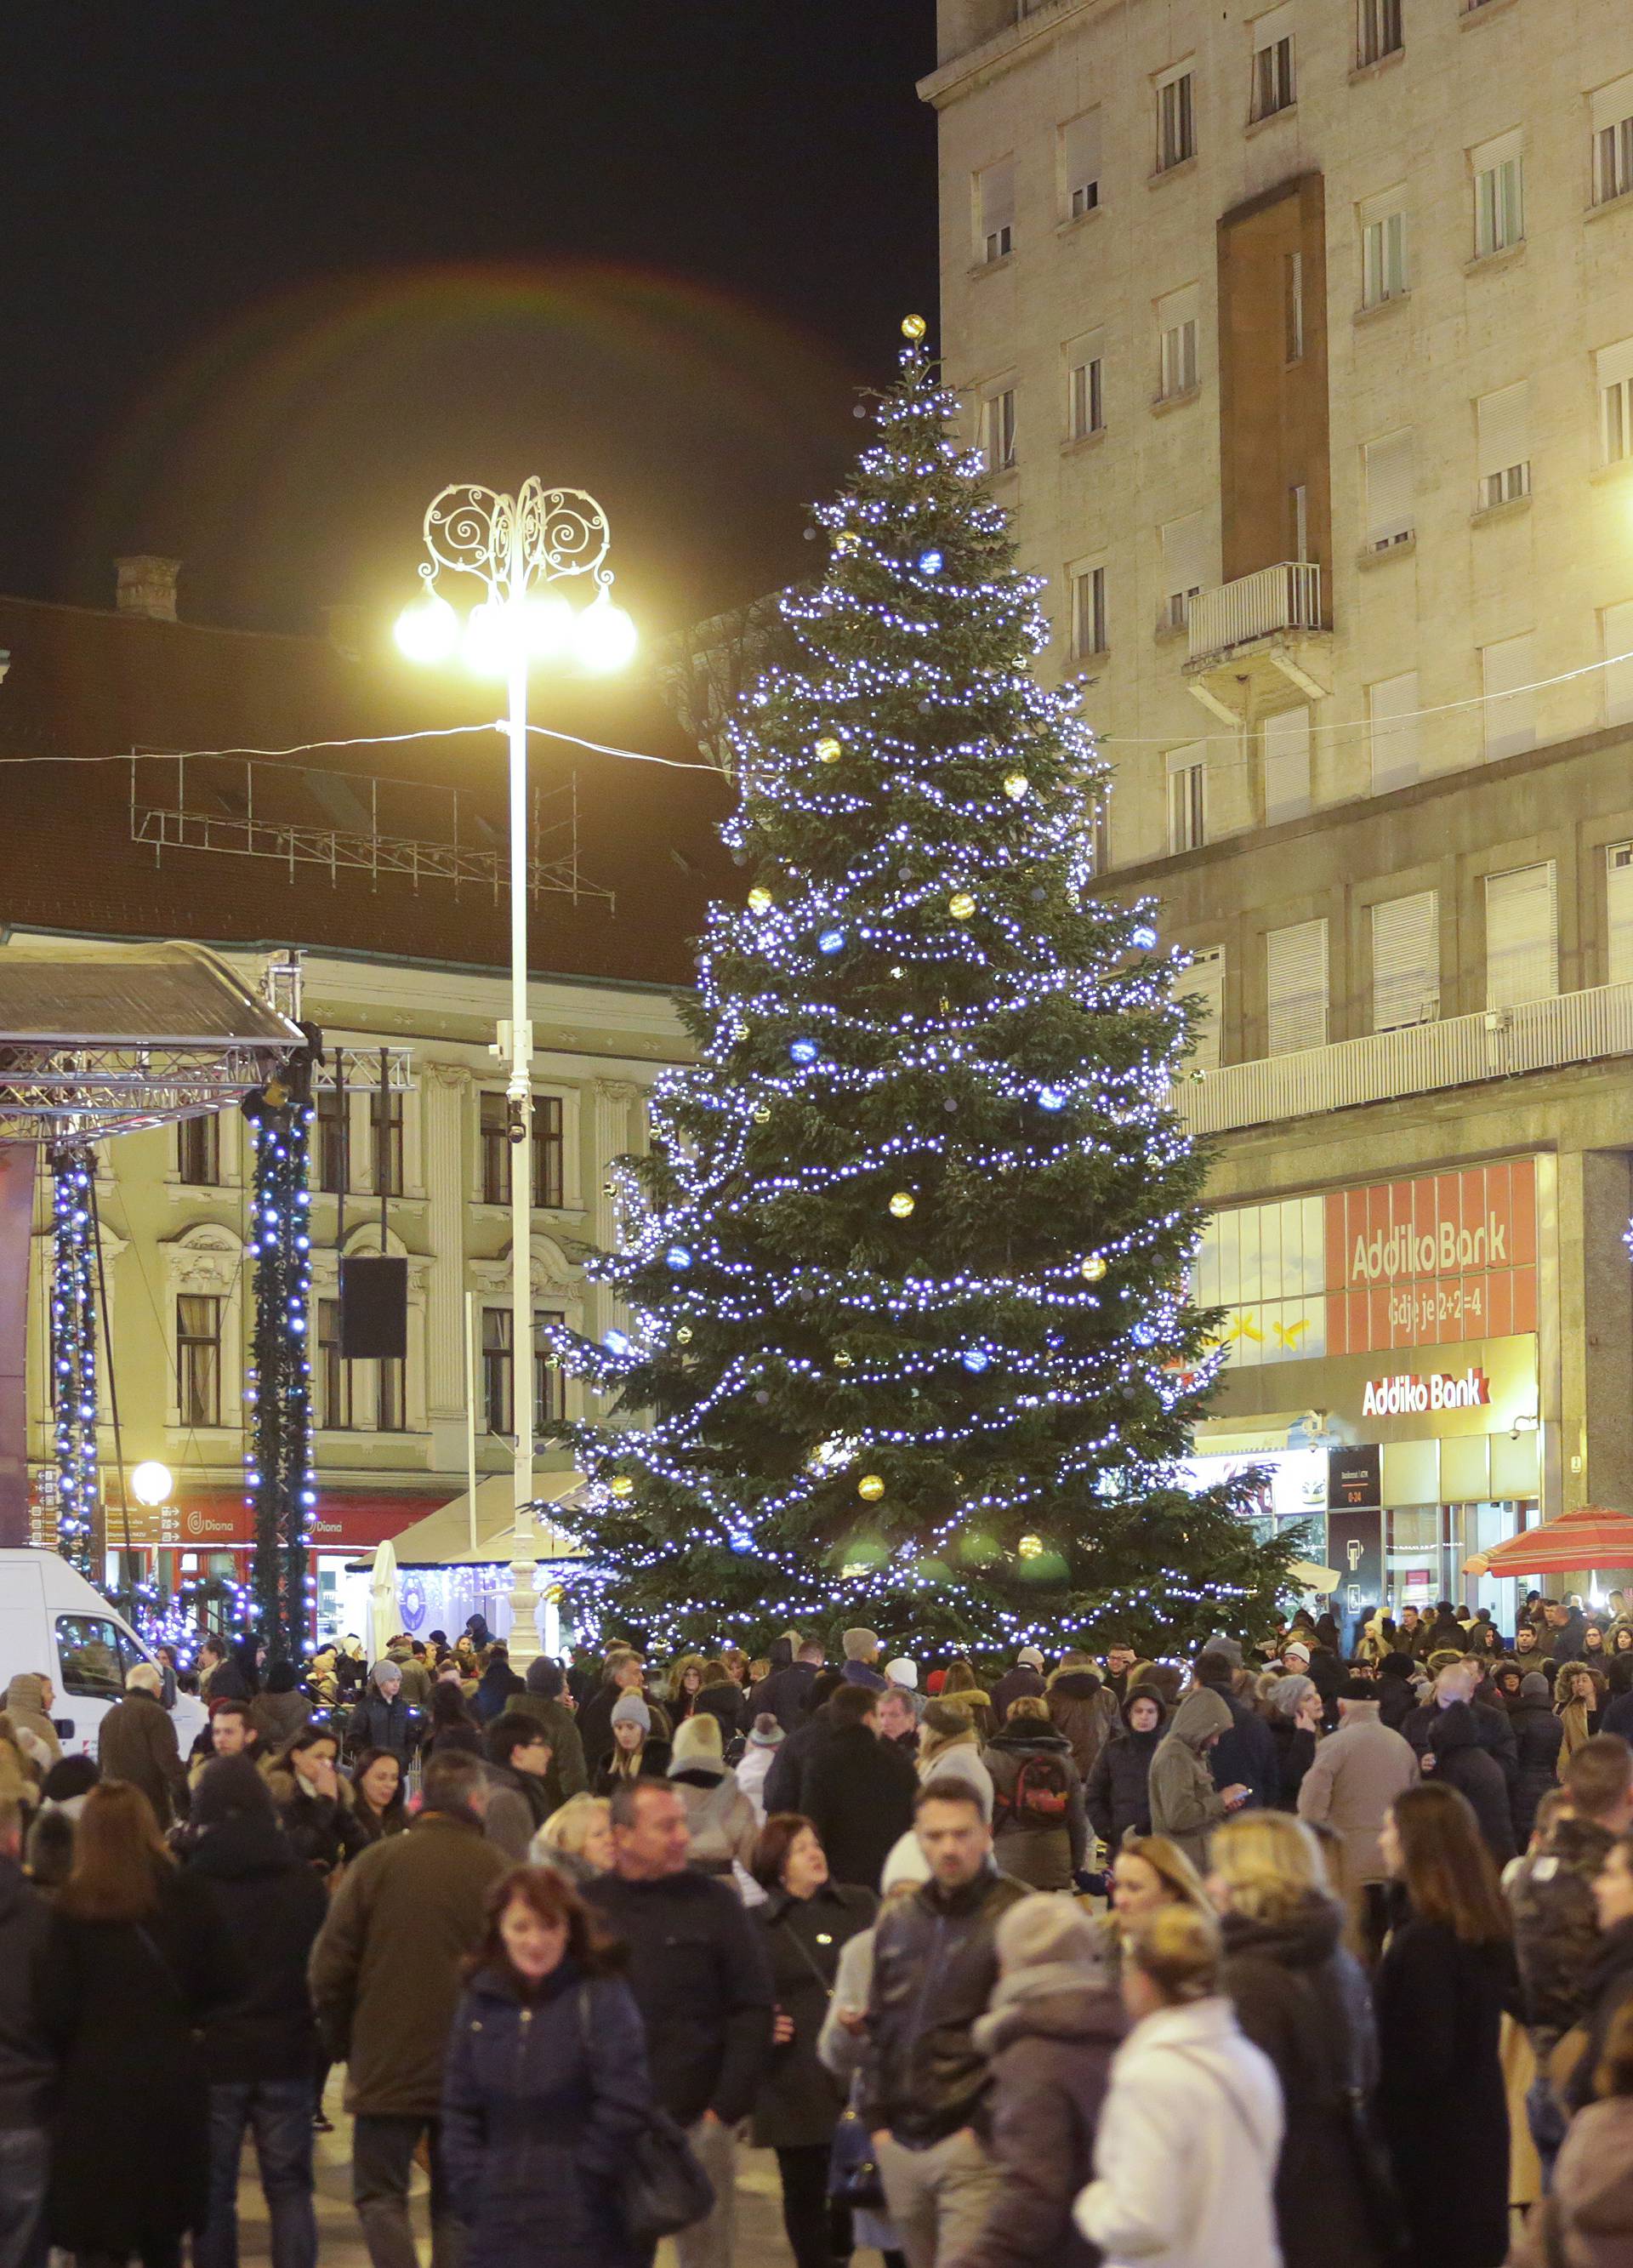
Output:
x,y
444,1538
1588,1538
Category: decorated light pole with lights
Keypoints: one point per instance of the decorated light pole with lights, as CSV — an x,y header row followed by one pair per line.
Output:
x,y
280,1481
525,553
909,1341
74,1352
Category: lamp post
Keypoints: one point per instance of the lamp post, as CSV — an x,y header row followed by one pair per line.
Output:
x,y
523,551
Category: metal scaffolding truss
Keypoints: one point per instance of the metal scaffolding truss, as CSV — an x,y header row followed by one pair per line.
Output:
x,y
348,823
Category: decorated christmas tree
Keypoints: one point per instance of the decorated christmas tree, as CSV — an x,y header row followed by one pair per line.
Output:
x,y
904,1335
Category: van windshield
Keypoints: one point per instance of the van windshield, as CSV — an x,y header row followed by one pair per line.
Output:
x,y
94,1654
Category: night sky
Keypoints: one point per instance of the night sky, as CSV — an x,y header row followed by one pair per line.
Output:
x,y
271,274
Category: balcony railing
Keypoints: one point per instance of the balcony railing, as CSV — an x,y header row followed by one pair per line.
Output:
x,y
1284,598
1573,1027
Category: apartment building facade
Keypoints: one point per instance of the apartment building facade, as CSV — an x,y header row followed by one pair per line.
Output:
x,y
1300,341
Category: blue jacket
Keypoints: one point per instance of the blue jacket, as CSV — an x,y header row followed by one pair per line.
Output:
x,y
540,2104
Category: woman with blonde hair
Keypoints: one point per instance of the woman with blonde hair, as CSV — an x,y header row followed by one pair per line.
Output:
x,y
1186,2150
964,1689
1303,1998
577,1840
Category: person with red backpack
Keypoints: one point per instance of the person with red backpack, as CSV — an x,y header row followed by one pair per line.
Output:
x,y
1039,1825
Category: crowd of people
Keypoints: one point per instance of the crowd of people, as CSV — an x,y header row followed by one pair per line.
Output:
x,y
1297,1954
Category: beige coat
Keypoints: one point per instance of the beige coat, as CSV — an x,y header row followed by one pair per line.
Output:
x,y
25,1706
1357,1775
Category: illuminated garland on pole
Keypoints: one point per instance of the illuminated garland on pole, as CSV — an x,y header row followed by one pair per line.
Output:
x,y
909,1340
280,1481
74,1354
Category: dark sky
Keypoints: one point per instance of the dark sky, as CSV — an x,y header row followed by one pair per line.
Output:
x,y
270,274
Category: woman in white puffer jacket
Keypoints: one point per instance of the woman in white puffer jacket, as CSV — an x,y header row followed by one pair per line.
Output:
x,y
1185,2157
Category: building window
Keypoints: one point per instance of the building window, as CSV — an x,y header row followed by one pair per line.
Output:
x,y
1503,447
1295,988
1176,118
1080,164
198,1357
1499,196
1299,521
1187,797
995,210
1389,509
198,1151
1273,87
1613,141
1286,765
1292,305
1613,370
1383,248
333,1381
548,1150
1406,961
1205,980
1099,821
1619,913
548,1398
333,1146
1392,705
1617,635
1509,675
1089,632
496,1150
390,1416
997,439
1085,396
386,1140
1378,30
1177,313
1184,567
1522,936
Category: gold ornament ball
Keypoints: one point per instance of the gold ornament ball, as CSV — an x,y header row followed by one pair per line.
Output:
x,y
870,1486
762,1115
829,749
1031,1547
914,327
1016,785
960,905
1093,1268
846,541
684,1334
760,899
621,1485
842,1360
609,1189
903,1204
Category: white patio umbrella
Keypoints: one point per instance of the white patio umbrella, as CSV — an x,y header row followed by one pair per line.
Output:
x,y
385,1614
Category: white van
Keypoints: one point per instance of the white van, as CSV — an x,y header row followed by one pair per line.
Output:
x,y
52,1620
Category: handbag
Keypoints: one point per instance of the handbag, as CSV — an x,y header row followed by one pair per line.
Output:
x,y
662,2187
853,2175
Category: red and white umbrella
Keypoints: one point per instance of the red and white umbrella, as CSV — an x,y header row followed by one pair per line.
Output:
x,y
1591,1538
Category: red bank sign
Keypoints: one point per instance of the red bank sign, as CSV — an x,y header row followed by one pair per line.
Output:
x,y
1438,1258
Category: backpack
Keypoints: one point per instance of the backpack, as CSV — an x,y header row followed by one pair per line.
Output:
x,y
1041,1793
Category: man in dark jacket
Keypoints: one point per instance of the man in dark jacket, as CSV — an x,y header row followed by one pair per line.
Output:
x,y
1245,1756
786,1780
26,2065
568,1775
383,1719
1458,1758
1118,1796
1026,1677
1119,1659
1567,1632
137,1741
924,2081
1530,1650
786,1692
857,1791
701,1981
259,2049
385,1978
1456,1683
862,1650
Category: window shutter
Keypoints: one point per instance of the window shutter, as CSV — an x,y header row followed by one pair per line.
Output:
x,y
1184,554
1618,912
1206,977
998,196
1390,517
1618,633
1393,704
1504,421
1080,150
1612,104
1511,699
1406,960
1522,950
1276,25
1295,988
1286,765
1615,364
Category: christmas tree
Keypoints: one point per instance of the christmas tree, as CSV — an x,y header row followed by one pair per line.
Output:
x,y
908,1342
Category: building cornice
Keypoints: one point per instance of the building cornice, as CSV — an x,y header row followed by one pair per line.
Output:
x,y
978,66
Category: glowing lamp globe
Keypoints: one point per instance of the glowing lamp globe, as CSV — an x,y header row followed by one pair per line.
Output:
x,y
870,1487
604,638
491,633
760,899
549,627
903,1204
960,905
151,1483
428,631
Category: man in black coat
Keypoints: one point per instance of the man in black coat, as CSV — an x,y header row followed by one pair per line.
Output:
x,y
1457,1682
786,1692
383,1719
1245,1756
25,2063
701,1978
783,1790
857,1791
260,2048
924,2081
1027,1677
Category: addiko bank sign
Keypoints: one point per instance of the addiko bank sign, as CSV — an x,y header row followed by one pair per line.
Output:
x,y
1438,1259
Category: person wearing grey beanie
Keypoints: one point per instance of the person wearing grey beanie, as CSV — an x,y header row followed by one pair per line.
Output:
x,y
636,1753
1054,2023
1539,1736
